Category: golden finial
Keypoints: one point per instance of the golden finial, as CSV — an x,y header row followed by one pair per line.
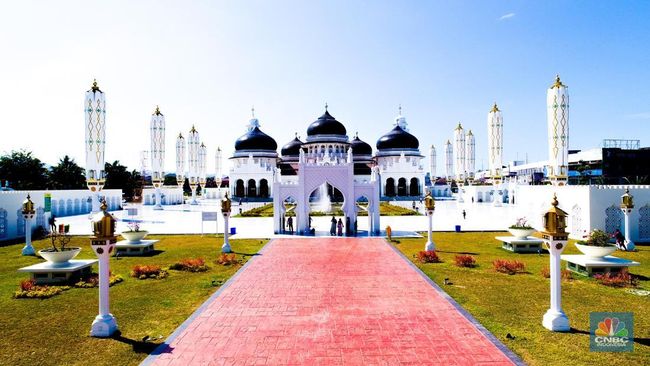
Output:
x,y
470,133
558,82
180,136
325,106
494,108
157,112
459,127
95,87
202,145
555,202
193,130
400,109
253,111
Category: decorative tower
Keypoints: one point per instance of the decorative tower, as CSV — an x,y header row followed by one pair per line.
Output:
x,y
218,173
181,157
495,143
193,143
95,116
203,161
449,160
459,153
157,154
432,164
627,205
28,214
555,238
470,155
430,206
225,211
557,102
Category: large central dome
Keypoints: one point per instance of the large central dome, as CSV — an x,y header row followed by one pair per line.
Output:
x,y
399,139
326,125
255,139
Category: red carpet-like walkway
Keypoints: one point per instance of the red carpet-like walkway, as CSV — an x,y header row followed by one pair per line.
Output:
x,y
327,301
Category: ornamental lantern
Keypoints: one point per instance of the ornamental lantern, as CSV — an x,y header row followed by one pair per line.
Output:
x,y
554,221
225,211
430,205
627,206
95,142
28,214
429,202
627,200
28,206
557,104
103,224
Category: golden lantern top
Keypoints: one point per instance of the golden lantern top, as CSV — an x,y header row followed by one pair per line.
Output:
x,y
28,206
494,108
627,199
459,127
558,82
429,202
95,88
225,204
555,220
157,111
103,223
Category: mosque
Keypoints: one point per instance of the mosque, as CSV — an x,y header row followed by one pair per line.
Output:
x,y
328,164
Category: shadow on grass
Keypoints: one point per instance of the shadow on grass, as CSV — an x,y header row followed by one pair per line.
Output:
x,y
247,254
152,253
138,346
465,253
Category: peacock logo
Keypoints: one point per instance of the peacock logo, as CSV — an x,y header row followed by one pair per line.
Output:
x,y
611,327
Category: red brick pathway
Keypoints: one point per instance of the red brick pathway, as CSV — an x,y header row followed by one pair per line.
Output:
x,y
322,301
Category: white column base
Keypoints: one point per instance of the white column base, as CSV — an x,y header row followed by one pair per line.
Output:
x,y
103,326
556,321
225,248
430,245
28,249
157,208
629,246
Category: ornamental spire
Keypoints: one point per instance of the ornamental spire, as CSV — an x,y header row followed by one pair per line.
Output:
x,y
95,87
253,111
180,135
325,106
157,111
494,108
459,127
400,109
558,82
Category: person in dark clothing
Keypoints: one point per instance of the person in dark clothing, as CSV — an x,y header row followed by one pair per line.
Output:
x,y
339,227
290,224
464,215
52,222
333,226
620,239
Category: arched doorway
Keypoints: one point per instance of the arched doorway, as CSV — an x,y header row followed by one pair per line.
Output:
x,y
401,187
264,188
252,188
239,188
414,189
389,191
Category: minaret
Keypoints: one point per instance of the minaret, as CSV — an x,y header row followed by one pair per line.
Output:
x,y
95,123
203,167
218,162
495,143
449,160
557,103
459,152
432,164
181,157
193,142
470,155
157,153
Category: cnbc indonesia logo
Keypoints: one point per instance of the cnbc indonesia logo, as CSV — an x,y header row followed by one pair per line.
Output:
x,y
612,333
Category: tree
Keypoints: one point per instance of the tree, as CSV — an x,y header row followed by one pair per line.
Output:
x,y
23,171
66,175
118,177
170,180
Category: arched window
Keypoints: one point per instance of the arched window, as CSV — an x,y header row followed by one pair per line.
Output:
x,y
239,188
414,189
4,227
390,187
401,187
264,188
252,189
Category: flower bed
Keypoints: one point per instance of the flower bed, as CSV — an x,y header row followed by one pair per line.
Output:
x,y
565,274
148,272
227,259
190,265
428,256
29,290
92,280
465,261
620,279
509,267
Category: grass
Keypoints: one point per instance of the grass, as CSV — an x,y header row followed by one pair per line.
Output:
x,y
55,331
515,304
385,209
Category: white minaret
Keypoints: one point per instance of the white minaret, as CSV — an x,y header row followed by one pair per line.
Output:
x,y
459,152
203,167
449,160
432,164
193,143
470,155
157,154
218,168
495,143
557,103
181,157
95,118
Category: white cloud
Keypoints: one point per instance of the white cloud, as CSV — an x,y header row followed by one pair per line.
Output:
x,y
506,16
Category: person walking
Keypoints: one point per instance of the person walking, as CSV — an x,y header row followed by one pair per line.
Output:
x,y
290,224
464,215
620,239
339,227
333,226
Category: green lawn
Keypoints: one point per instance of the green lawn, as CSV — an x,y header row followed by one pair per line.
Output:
x,y
515,304
55,331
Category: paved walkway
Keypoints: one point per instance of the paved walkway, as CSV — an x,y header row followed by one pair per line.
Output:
x,y
330,302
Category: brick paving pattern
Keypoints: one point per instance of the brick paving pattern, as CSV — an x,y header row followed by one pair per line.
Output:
x,y
322,301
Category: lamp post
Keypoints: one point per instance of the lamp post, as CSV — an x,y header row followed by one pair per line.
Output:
x,y
429,205
555,238
28,213
225,210
103,244
627,205
95,123
157,154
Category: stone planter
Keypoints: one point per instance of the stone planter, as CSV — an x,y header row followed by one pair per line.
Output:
x,y
134,237
59,257
521,233
595,252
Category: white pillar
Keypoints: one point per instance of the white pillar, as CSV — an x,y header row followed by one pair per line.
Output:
x,y
225,248
28,249
629,244
158,205
193,201
95,202
104,324
430,245
555,319
496,197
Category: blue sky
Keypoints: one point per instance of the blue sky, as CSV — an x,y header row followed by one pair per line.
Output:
x,y
207,62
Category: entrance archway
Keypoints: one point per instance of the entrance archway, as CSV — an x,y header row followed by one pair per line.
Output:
x,y
401,187
390,187
264,188
252,189
414,189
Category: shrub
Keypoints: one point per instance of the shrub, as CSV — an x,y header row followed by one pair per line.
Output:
x,y
92,280
509,267
465,261
145,272
428,256
190,265
29,290
620,279
227,259
565,274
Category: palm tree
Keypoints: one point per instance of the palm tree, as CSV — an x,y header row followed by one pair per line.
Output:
x,y
66,175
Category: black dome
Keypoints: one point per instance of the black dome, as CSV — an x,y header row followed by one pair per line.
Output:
x,y
292,148
360,147
397,138
255,140
326,125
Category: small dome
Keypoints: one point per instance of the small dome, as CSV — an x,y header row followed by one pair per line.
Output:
x,y
292,148
326,125
360,147
255,139
397,138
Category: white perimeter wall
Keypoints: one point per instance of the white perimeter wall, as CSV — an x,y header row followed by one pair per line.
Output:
x,y
170,195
